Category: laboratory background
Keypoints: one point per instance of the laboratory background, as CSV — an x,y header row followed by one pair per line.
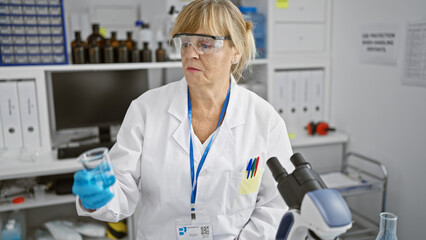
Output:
x,y
348,78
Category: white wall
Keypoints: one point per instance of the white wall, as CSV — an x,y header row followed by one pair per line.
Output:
x,y
384,119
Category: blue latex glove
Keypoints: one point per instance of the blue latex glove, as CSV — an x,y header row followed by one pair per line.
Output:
x,y
93,187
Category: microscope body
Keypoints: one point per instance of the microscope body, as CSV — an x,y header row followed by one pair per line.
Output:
x,y
316,212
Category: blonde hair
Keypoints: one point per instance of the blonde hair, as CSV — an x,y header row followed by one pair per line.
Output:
x,y
224,19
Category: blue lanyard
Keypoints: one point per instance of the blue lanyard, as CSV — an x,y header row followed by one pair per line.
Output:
x,y
194,181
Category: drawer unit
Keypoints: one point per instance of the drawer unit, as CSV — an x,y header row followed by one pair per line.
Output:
x,y
299,37
302,11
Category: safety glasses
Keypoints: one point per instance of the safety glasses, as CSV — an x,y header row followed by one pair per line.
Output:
x,y
203,44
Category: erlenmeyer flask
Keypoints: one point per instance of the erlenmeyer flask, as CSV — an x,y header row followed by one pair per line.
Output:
x,y
387,226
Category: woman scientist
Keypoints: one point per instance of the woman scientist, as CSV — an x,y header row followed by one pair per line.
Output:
x,y
194,152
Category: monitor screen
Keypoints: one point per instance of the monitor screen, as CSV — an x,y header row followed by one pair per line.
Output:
x,y
93,98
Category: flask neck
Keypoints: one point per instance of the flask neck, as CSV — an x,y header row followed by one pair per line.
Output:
x,y
388,222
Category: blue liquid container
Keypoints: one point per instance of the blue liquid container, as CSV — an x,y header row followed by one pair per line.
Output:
x,y
12,231
259,31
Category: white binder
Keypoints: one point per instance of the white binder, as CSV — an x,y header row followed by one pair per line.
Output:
x,y
29,114
291,110
9,107
1,134
305,98
317,93
280,80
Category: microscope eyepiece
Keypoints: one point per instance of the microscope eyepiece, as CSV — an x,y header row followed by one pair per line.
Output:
x,y
298,160
276,168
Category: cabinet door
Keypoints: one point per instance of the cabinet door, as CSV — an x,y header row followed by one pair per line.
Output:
x,y
302,11
299,37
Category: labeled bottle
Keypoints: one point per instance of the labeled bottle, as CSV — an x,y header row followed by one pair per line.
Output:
x,y
115,43
15,228
134,55
113,40
139,25
78,51
94,53
129,41
146,54
171,18
160,53
123,53
146,34
96,37
108,52
12,231
387,226
172,53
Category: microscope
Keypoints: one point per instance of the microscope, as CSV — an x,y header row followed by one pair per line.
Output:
x,y
315,212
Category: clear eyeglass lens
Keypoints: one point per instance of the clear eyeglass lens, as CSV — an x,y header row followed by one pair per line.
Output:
x,y
203,45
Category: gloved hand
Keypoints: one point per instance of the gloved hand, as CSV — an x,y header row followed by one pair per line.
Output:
x,y
93,188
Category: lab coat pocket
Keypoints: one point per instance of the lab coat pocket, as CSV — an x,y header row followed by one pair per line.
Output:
x,y
250,184
242,194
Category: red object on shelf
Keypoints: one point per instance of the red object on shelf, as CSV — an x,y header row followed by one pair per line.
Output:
x,y
320,128
18,200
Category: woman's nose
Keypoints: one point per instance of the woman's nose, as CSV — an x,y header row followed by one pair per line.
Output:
x,y
192,52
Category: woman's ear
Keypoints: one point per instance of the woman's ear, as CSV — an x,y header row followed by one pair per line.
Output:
x,y
236,54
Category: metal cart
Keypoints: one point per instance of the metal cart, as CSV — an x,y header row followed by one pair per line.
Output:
x,y
360,175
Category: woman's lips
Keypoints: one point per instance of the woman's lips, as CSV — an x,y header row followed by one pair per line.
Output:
x,y
193,69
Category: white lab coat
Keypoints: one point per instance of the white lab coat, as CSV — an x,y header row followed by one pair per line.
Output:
x,y
151,163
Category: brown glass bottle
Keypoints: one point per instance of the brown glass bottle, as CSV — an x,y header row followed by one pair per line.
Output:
x,y
134,55
146,55
96,37
94,53
129,41
160,53
108,52
78,49
77,38
123,53
115,43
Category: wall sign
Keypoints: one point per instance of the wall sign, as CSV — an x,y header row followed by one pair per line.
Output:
x,y
378,44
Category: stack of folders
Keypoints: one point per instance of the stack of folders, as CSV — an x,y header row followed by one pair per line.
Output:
x,y
19,123
299,97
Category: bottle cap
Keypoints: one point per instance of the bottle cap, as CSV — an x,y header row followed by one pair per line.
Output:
x,y
139,23
10,226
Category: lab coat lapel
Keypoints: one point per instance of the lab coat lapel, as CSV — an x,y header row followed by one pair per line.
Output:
x,y
179,109
225,140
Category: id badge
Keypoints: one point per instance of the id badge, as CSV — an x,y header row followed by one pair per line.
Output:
x,y
194,230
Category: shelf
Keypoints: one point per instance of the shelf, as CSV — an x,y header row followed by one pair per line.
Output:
x,y
13,166
49,200
110,67
304,140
